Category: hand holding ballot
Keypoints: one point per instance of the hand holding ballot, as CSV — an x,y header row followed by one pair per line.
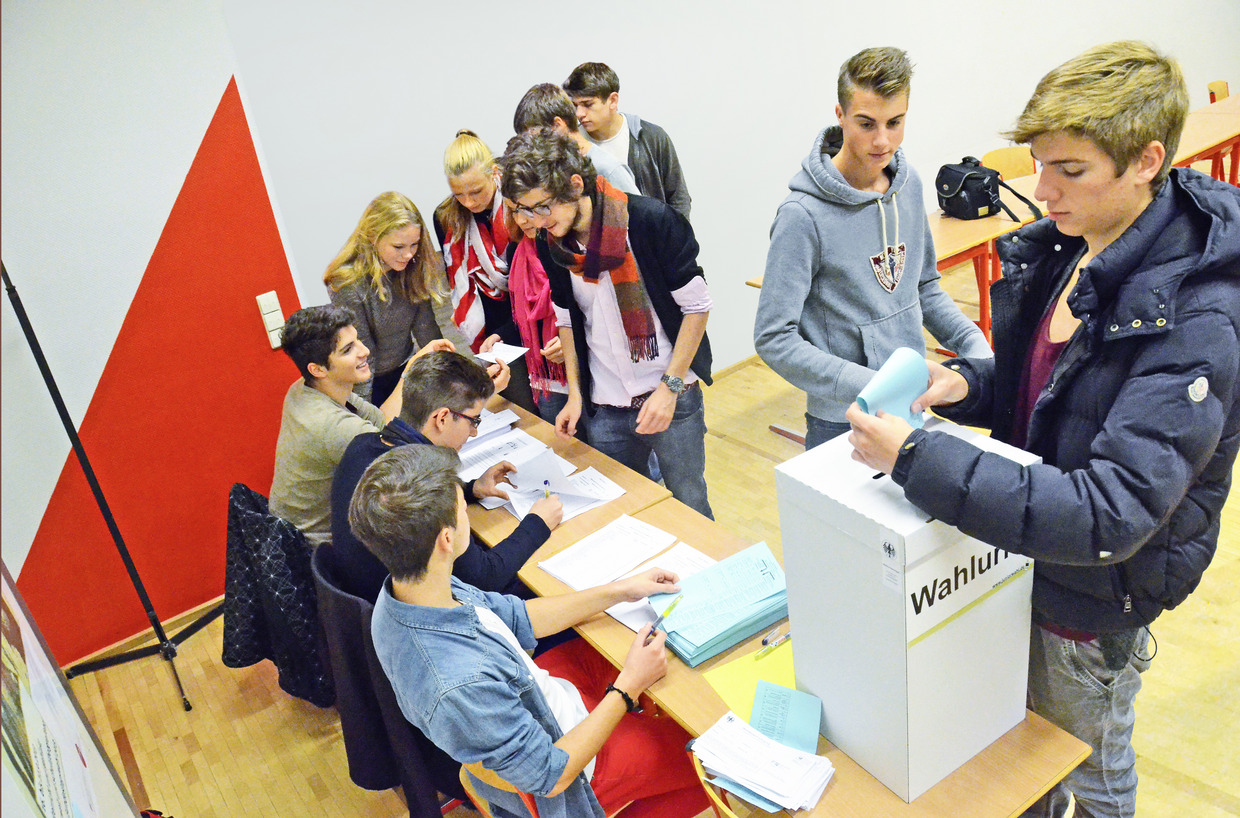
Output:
x,y
877,439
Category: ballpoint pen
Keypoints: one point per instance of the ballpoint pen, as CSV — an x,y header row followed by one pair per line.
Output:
x,y
662,616
770,646
546,489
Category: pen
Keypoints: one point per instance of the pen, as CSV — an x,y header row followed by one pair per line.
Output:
x,y
766,640
770,646
662,616
546,489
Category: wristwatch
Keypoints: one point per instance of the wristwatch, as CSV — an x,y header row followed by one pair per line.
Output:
x,y
630,706
677,385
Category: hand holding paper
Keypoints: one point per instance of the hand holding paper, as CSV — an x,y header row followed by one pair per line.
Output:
x,y
900,380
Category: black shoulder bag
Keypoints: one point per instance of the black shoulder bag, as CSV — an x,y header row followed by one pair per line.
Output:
x,y
970,191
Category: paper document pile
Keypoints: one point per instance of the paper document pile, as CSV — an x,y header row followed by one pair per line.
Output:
x,y
750,764
725,604
539,470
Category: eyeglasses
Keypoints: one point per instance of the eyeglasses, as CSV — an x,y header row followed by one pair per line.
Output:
x,y
543,208
473,421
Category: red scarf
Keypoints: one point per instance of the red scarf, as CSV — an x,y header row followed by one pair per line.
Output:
x,y
535,317
469,279
608,250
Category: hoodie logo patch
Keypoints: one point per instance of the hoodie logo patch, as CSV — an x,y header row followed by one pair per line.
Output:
x,y
889,267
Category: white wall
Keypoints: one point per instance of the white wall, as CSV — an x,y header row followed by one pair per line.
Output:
x,y
105,105
348,103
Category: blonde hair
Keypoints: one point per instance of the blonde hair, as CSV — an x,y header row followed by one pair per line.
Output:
x,y
359,259
464,153
1121,96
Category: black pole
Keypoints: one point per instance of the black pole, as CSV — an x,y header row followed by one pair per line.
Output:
x,y
167,648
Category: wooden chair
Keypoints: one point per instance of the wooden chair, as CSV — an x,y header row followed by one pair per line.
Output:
x,y
483,774
718,800
1219,90
1012,162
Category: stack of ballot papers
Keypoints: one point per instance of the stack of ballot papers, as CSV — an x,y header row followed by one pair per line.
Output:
x,y
760,769
609,553
724,604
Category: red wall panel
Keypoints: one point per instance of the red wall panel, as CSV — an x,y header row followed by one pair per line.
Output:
x,y
188,403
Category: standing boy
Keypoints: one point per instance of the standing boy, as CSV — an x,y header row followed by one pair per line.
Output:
x,y
631,306
836,299
1117,359
643,146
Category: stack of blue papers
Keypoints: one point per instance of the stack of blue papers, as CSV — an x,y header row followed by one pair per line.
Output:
x,y
724,604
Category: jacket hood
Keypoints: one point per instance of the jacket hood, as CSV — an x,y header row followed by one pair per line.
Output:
x,y
819,177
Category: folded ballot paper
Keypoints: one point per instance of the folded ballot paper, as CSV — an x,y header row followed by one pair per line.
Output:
x,y
544,474
724,604
899,381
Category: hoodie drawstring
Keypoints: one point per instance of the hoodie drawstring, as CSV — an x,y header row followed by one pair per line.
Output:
x,y
882,252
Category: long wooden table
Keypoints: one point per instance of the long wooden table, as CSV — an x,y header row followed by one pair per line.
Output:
x,y
1000,781
1208,133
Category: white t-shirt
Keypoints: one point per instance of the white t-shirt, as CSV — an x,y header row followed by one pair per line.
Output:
x,y
564,700
618,145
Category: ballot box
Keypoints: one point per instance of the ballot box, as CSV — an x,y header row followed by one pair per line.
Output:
x,y
914,635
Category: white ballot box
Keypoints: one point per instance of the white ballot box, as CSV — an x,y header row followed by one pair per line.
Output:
x,y
914,635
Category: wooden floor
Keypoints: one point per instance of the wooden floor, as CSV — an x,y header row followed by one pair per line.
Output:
x,y
248,748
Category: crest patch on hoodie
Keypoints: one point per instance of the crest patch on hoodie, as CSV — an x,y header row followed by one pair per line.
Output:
x,y
889,267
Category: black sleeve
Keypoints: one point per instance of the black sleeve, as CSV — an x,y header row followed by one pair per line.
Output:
x,y
493,569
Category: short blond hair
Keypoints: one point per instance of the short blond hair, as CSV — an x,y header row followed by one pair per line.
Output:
x,y
1121,96
887,72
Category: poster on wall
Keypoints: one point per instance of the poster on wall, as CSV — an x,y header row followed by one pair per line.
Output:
x,y
48,742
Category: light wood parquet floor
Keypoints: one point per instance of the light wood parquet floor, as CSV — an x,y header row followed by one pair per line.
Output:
x,y
248,748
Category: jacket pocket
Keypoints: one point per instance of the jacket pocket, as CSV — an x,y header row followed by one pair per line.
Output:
x,y
884,336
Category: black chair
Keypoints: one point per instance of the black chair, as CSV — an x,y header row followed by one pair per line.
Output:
x,y
270,607
384,750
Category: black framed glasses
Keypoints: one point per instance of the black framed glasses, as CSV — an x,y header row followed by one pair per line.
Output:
x,y
473,421
543,208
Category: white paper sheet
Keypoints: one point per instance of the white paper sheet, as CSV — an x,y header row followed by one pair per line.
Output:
x,y
607,554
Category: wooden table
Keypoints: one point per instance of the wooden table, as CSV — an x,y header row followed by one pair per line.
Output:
x,y
493,525
1002,780
1208,133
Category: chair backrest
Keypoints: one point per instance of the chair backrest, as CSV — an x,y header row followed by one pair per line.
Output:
x,y
1218,90
489,777
270,607
1012,162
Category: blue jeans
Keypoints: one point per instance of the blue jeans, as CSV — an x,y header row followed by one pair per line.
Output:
x,y
681,448
1072,685
551,404
819,431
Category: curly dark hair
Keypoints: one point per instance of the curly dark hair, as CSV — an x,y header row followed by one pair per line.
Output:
x,y
548,160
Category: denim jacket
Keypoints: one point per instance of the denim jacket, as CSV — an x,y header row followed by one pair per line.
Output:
x,y
472,695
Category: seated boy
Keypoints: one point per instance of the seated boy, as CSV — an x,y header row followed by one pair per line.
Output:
x,y
456,658
444,395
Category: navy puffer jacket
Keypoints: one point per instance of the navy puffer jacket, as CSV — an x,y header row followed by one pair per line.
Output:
x,y
1138,426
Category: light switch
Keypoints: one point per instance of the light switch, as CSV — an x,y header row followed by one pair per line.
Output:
x,y
268,302
273,316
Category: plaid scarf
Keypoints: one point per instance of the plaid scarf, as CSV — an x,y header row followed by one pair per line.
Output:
x,y
608,251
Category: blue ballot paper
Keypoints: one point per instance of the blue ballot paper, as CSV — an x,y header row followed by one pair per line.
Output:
x,y
724,604
899,381
789,716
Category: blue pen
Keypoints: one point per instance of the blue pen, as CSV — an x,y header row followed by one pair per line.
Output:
x,y
770,646
546,489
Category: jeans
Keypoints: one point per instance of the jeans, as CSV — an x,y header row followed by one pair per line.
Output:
x,y
819,431
681,447
550,406
1088,689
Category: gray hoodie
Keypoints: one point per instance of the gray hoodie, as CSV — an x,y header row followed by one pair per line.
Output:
x,y
838,297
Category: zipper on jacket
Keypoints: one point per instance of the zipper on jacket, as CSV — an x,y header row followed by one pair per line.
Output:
x,y
1119,584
